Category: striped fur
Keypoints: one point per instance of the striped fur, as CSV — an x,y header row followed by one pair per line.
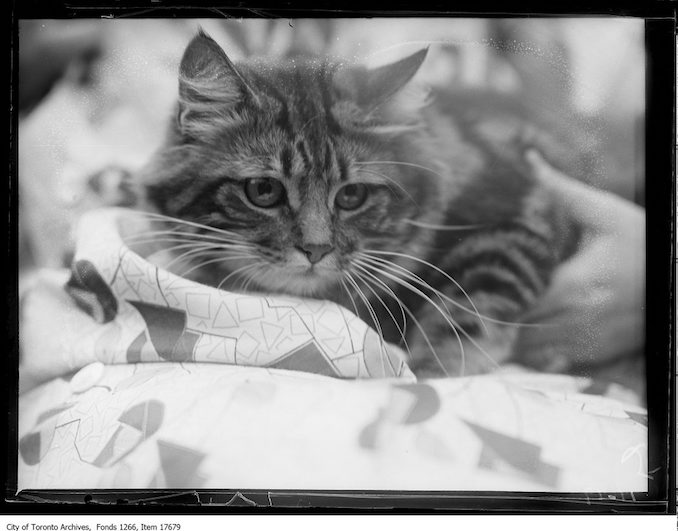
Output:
x,y
317,125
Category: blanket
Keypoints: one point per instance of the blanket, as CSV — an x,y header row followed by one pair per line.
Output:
x,y
136,378
194,425
131,310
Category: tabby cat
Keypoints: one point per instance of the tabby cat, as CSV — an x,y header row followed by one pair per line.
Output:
x,y
317,178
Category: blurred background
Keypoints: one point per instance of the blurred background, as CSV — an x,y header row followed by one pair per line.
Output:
x,y
95,95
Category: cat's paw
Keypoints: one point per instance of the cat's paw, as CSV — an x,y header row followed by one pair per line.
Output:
x,y
446,355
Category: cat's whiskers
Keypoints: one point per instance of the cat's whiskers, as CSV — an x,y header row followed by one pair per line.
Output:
x,y
184,240
219,259
206,246
399,163
398,269
433,226
394,297
236,272
194,252
389,179
382,285
228,245
381,301
403,329
170,235
348,292
372,252
183,265
186,255
409,275
456,328
249,277
184,222
373,315
357,313
209,249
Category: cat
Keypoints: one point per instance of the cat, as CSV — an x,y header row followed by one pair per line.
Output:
x,y
316,178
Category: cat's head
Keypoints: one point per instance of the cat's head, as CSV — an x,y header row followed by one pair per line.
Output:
x,y
306,162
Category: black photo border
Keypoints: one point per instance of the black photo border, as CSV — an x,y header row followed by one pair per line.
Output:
x,y
660,23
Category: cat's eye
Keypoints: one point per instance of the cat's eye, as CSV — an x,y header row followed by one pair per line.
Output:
x,y
264,192
351,196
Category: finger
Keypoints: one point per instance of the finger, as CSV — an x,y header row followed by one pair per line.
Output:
x,y
588,336
567,289
549,358
555,329
588,205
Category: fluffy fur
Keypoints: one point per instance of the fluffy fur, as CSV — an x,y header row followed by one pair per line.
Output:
x,y
452,228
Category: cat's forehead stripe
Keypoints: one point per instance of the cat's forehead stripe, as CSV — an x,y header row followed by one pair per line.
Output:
x,y
309,101
300,145
303,103
286,161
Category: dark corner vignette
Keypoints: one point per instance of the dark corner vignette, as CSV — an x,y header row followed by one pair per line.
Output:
x,y
660,327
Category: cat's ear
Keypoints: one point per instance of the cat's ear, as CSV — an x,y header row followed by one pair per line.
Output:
x,y
372,87
208,81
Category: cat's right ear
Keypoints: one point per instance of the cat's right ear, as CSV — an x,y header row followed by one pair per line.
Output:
x,y
370,88
208,82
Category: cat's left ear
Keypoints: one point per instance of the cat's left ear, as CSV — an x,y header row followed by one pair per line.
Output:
x,y
208,82
369,88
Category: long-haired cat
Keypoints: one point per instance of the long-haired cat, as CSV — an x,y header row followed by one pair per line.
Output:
x,y
320,179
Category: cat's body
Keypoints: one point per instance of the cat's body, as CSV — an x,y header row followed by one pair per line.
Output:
x,y
338,182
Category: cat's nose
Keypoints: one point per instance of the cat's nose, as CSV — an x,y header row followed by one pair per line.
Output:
x,y
315,252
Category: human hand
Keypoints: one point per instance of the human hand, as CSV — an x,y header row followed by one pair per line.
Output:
x,y
593,311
